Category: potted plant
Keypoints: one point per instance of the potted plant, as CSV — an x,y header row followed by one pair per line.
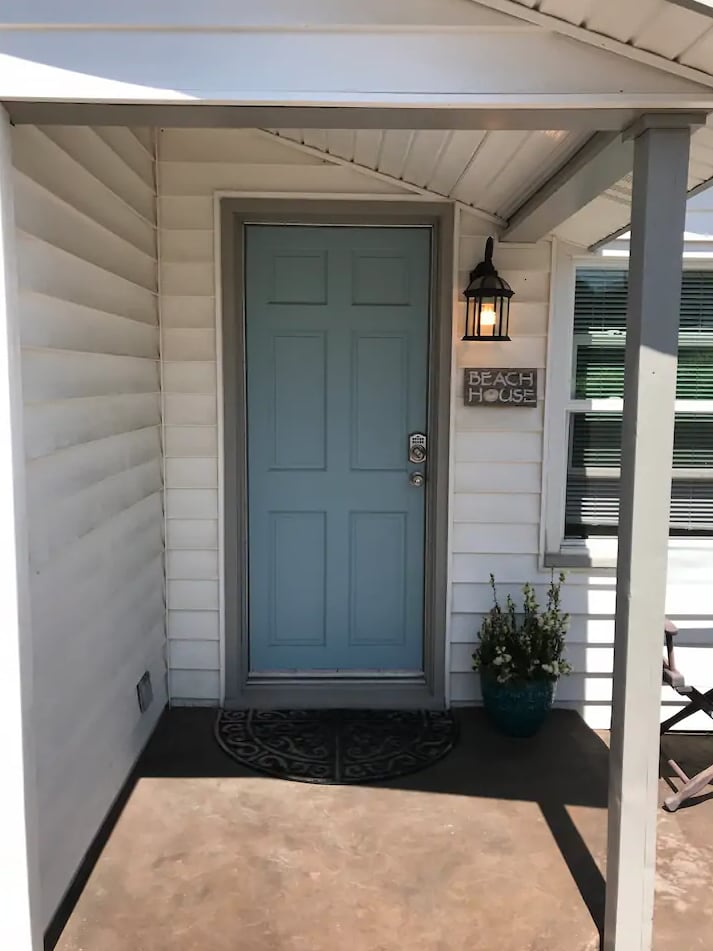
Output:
x,y
520,657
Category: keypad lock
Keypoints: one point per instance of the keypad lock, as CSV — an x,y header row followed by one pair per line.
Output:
x,y
417,448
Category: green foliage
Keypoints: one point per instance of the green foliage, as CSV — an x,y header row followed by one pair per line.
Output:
x,y
524,645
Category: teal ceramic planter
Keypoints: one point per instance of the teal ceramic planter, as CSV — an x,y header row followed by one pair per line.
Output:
x,y
518,708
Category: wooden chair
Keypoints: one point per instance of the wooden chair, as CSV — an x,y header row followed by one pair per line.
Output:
x,y
696,701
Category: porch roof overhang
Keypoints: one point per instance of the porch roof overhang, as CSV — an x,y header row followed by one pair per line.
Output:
x,y
674,36
512,111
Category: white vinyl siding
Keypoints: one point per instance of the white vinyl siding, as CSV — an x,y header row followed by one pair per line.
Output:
x,y
497,452
86,238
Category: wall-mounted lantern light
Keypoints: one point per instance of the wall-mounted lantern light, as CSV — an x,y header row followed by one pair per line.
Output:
x,y
487,301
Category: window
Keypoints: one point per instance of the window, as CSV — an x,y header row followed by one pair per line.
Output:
x,y
593,414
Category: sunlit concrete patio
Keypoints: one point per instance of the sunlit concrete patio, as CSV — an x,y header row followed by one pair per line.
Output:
x,y
500,845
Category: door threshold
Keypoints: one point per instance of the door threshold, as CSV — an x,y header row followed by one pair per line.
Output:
x,y
337,675
357,693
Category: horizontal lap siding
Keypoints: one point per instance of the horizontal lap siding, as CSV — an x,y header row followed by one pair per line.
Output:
x,y
86,229
497,453
193,164
496,516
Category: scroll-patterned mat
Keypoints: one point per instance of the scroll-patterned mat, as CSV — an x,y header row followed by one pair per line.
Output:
x,y
336,746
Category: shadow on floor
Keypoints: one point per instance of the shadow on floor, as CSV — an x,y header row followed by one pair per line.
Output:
x,y
500,844
564,766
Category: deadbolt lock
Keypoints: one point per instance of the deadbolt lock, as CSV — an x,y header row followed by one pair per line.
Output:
x,y
417,448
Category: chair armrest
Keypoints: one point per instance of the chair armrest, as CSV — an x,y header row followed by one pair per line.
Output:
x,y
674,678
671,675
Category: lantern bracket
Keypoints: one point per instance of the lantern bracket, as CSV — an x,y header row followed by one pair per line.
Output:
x,y
486,266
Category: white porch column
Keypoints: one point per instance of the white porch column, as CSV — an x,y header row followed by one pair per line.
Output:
x,y
659,201
20,928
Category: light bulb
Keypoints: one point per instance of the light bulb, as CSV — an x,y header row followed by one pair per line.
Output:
x,y
487,315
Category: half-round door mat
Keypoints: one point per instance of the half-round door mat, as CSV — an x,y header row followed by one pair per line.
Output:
x,y
336,746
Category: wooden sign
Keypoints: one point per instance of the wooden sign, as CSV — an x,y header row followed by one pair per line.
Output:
x,y
497,386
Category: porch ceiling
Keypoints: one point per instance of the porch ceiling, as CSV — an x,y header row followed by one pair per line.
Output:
x,y
493,172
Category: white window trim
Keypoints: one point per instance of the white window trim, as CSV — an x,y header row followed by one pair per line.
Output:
x,y
555,550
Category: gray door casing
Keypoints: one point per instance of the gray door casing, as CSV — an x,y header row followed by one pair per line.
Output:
x,y
385,691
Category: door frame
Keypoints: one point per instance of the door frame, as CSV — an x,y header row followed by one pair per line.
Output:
x,y
304,691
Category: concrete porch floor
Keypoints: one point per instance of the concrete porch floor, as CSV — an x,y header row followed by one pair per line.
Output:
x,y
499,846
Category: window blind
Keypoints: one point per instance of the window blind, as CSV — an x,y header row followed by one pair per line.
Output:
x,y
594,459
595,441
599,371
601,295
592,507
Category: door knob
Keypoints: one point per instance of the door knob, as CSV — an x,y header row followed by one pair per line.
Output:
x,y
417,479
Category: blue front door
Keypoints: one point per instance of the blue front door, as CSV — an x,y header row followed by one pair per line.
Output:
x,y
337,343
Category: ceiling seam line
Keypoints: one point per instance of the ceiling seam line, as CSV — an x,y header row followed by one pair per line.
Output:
x,y
468,164
562,154
685,50
407,154
379,151
442,149
504,165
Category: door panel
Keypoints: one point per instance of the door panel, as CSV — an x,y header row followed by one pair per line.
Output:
x,y
297,578
299,372
337,338
379,401
378,590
